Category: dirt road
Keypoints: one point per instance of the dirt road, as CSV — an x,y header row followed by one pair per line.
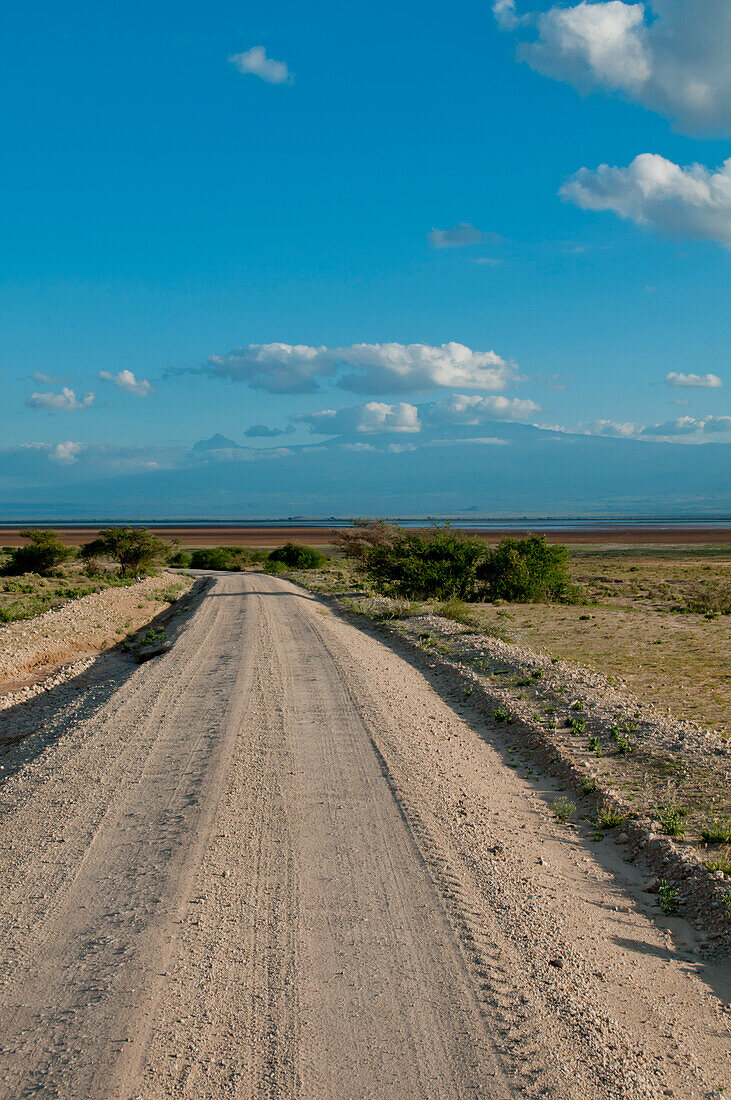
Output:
x,y
275,862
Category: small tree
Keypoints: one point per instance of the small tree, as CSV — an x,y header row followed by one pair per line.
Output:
x,y
135,548
44,553
525,570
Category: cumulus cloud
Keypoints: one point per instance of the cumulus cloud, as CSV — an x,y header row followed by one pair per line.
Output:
x,y
678,427
65,453
65,401
470,409
456,237
375,368
700,381
668,55
654,192
255,62
375,416
126,381
690,425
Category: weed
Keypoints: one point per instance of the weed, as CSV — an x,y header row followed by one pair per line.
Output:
x,y
623,743
595,746
588,784
537,674
154,637
563,808
578,725
607,818
456,610
668,897
721,862
501,714
717,832
576,705
670,816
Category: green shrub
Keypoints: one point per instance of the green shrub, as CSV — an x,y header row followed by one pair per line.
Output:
x,y
44,553
525,570
231,558
295,556
440,564
181,559
135,548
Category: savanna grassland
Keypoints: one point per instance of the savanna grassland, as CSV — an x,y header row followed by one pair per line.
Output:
x,y
655,618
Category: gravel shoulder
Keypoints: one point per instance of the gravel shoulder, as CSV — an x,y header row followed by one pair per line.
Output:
x,y
30,648
281,860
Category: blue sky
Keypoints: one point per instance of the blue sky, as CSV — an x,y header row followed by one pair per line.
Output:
x,y
165,203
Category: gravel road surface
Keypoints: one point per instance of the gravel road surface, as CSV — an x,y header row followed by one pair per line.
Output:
x,y
277,862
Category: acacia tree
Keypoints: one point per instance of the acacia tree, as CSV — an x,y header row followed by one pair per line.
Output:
x,y
135,548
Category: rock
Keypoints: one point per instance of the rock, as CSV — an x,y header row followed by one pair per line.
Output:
x,y
557,963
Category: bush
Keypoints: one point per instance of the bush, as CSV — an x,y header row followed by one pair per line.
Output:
x,y
295,556
135,548
180,559
211,557
440,564
44,553
525,570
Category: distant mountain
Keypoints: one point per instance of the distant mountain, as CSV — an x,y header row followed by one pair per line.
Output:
x,y
498,469
217,442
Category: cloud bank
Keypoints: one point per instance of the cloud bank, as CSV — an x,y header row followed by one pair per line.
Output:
x,y
459,409
670,56
656,193
364,368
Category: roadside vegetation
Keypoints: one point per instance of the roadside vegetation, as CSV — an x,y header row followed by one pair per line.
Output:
x,y
44,574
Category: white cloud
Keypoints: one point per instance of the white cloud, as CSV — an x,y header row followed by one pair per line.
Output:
x,y
65,453
65,401
626,430
456,237
668,55
278,368
256,63
680,426
470,409
126,381
377,368
49,379
654,192
504,12
375,416
700,381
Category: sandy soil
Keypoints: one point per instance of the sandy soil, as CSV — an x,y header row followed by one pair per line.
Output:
x,y
276,862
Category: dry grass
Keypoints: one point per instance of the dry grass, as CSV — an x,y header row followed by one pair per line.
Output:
x,y
633,628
